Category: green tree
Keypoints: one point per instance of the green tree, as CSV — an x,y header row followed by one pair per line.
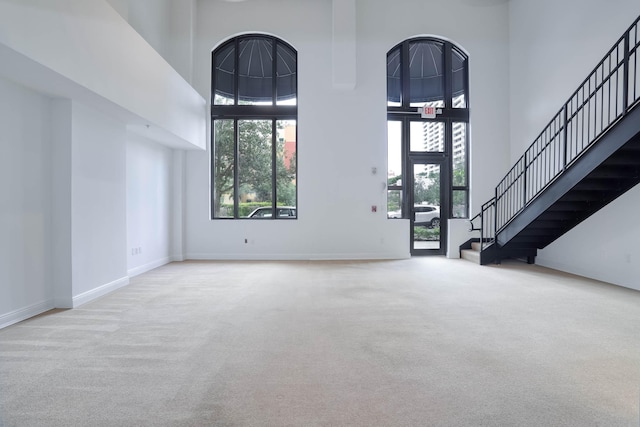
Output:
x,y
254,163
427,189
223,163
459,196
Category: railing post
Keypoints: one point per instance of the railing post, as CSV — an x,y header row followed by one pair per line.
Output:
x,y
524,179
495,218
565,134
481,228
625,77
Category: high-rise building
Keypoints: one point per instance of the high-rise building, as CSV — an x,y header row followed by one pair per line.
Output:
x,y
434,137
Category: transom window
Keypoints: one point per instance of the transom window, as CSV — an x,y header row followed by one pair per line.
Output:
x,y
254,129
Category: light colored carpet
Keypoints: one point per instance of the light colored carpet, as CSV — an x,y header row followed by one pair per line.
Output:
x,y
419,342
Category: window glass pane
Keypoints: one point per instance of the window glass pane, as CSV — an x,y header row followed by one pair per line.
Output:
x,y
286,168
438,104
223,169
459,154
460,204
255,71
459,64
254,165
394,169
287,75
225,67
426,191
394,152
426,72
460,101
394,78
426,208
426,136
394,203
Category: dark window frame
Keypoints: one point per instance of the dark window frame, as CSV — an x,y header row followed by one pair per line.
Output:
x,y
406,113
239,111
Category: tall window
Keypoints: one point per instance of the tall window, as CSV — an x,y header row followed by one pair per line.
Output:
x,y
428,117
254,129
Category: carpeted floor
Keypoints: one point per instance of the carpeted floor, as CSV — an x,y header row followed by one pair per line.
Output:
x,y
419,342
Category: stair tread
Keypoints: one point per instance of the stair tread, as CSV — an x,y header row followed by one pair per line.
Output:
x,y
470,255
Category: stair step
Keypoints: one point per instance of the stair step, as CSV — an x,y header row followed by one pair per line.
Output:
x,y
552,224
582,195
476,246
594,185
470,255
625,159
614,172
569,206
553,217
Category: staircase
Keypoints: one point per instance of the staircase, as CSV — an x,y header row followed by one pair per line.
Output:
x,y
472,252
586,157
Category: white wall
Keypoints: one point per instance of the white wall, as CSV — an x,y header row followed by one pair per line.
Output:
x,y
553,47
91,54
149,190
61,201
151,19
25,203
98,197
342,133
181,37
167,25
65,156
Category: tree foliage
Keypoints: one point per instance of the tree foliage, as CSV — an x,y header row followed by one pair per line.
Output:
x,y
255,160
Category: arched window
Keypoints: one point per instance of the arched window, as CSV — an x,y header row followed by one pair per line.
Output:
x,y
254,129
428,117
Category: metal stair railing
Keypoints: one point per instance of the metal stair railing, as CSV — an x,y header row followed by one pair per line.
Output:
x,y
609,92
487,223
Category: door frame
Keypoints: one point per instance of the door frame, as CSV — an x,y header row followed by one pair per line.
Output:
x,y
442,160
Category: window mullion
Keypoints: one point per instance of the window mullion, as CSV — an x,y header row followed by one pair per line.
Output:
x,y
274,71
405,77
405,135
236,168
274,192
236,72
448,77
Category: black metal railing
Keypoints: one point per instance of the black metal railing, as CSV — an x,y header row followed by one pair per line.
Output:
x,y
610,91
487,223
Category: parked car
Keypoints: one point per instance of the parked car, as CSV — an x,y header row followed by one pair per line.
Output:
x,y
428,215
394,214
281,212
425,215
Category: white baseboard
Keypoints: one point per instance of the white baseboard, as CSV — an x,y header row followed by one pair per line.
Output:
x,y
149,266
25,313
85,297
297,257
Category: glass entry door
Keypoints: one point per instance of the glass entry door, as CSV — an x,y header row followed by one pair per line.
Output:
x,y
428,206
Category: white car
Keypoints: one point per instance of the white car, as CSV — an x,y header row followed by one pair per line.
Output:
x,y
428,215
281,212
